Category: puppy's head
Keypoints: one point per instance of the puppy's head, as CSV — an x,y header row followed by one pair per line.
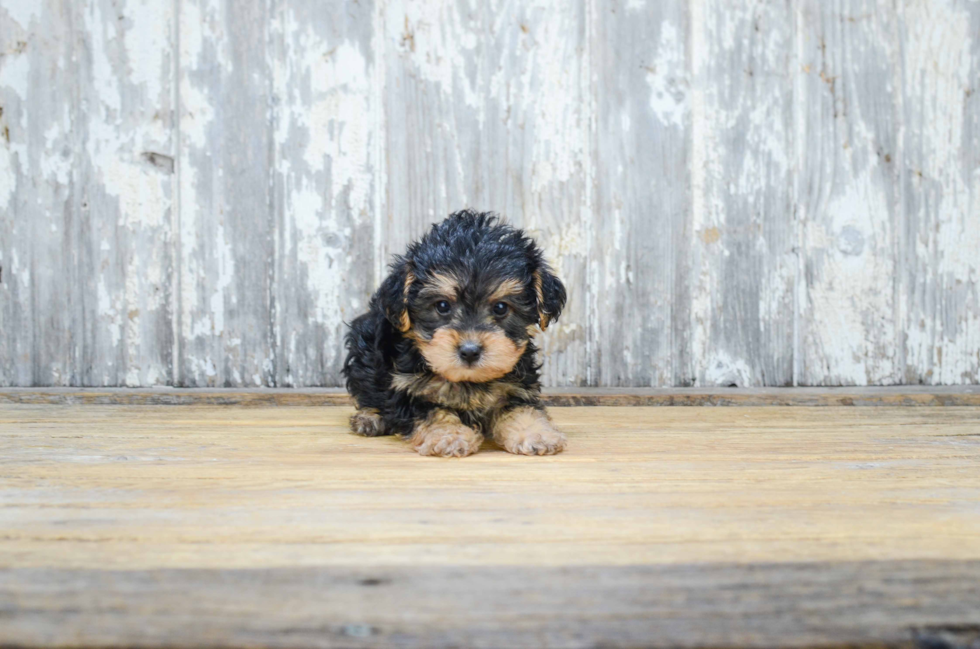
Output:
x,y
470,294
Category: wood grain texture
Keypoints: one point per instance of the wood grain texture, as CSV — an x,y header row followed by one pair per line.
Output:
x,y
39,315
872,605
198,194
87,166
941,191
849,200
657,527
226,216
741,236
124,169
144,487
433,96
326,177
642,195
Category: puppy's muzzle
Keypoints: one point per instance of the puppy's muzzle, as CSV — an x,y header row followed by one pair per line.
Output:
x,y
469,352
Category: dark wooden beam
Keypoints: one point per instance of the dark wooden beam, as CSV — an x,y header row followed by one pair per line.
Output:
x,y
930,604
963,395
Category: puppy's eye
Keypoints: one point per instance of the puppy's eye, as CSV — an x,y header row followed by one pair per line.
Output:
x,y
500,309
443,307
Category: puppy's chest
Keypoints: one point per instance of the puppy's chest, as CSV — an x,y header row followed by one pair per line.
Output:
x,y
479,399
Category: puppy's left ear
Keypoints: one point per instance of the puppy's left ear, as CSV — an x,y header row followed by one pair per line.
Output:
x,y
393,295
550,293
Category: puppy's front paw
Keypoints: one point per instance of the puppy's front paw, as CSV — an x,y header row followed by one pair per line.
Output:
x,y
528,431
444,435
450,443
367,422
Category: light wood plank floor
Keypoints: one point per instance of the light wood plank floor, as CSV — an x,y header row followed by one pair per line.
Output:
x,y
224,526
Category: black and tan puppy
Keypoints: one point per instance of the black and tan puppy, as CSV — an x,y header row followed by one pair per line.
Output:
x,y
445,354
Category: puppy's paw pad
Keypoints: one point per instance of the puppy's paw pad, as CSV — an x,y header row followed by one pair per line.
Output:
x,y
460,442
539,442
368,423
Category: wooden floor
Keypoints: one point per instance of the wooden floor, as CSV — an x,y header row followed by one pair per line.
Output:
x,y
695,526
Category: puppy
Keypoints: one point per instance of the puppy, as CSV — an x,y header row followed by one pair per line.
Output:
x,y
444,356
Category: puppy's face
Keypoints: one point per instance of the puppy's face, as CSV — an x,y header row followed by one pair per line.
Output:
x,y
469,295
471,328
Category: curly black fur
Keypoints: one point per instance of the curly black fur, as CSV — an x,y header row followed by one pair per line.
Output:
x,y
482,252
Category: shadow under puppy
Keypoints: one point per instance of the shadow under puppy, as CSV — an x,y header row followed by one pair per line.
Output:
x,y
445,355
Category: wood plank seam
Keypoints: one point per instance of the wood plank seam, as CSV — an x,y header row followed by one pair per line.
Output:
x,y
912,396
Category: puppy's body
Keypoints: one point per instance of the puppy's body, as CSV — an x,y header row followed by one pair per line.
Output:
x,y
444,356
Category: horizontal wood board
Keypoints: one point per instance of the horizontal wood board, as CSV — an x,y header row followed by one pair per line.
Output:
x,y
776,526
869,396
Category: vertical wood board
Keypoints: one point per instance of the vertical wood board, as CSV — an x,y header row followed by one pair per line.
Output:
x,y
202,192
226,217
327,117
39,315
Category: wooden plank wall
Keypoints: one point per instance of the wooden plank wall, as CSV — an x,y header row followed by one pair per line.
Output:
x,y
201,192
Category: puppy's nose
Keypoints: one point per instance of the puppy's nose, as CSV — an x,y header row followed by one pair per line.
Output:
x,y
470,352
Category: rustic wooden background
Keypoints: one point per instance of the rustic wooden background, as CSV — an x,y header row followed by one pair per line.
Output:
x,y
200,192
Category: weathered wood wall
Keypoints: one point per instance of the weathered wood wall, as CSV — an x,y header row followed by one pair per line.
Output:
x,y
200,192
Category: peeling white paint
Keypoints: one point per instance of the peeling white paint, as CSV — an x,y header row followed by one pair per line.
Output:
x,y
560,127
8,178
322,263
940,67
56,167
109,306
325,130
338,123
667,77
226,273
127,118
723,370
434,34
852,297
143,197
499,104
14,71
23,12
21,273
196,112
147,42
104,30
740,275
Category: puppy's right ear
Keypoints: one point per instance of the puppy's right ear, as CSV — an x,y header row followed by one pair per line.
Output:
x,y
393,295
550,293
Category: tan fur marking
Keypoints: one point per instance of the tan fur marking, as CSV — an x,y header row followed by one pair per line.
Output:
x,y
500,354
440,352
403,383
443,434
441,285
411,334
528,431
405,323
507,288
543,317
484,397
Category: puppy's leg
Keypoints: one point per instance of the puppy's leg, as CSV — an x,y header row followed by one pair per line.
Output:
x,y
528,431
367,422
442,433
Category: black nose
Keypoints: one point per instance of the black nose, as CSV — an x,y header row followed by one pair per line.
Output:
x,y
470,352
